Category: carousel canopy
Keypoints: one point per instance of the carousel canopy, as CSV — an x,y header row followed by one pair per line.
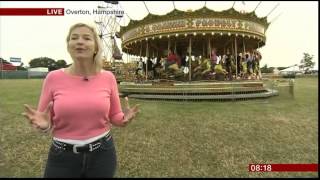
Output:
x,y
206,28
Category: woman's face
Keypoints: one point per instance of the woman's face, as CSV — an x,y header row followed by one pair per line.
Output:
x,y
81,44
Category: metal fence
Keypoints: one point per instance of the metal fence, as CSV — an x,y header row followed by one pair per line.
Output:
x,y
22,74
284,86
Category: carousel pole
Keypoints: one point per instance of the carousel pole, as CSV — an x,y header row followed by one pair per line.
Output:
x,y
209,48
234,2
244,47
256,6
232,47
275,18
157,52
169,44
152,54
147,54
140,50
190,58
146,6
141,54
212,43
236,56
230,54
203,49
259,70
272,10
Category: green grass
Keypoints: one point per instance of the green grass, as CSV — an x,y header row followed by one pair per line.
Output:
x,y
180,139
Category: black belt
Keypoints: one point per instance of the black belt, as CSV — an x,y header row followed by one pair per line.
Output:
x,y
81,148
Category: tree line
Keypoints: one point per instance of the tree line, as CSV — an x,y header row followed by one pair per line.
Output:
x,y
51,64
306,65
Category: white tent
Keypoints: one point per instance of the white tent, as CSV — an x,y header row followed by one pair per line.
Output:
x,y
292,69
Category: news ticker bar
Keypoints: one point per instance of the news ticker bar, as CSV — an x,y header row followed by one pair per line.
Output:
x,y
31,11
283,168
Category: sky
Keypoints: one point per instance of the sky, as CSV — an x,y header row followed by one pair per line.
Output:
x,y
293,29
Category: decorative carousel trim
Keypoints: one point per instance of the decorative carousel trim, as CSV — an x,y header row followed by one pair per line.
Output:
x,y
200,13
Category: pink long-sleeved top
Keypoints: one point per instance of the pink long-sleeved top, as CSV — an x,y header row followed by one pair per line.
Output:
x,y
81,109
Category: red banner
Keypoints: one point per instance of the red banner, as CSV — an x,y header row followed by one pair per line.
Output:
x,y
295,167
31,11
283,167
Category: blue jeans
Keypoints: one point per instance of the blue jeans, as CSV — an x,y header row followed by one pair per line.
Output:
x,y
100,163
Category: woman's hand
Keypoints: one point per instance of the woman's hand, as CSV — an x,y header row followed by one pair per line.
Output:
x,y
39,120
129,113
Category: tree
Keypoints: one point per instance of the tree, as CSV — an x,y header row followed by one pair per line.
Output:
x,y
21,68
43,62
265,69
281,68
61,64
306,63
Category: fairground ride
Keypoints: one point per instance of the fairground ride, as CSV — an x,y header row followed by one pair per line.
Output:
x,y
194,34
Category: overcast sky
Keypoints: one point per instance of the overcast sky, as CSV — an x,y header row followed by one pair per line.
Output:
x,y
293,31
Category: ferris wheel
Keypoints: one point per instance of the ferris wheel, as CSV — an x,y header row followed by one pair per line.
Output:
x,y
108,24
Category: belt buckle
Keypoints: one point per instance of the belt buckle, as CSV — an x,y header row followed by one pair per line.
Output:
x,y
90,148
74,148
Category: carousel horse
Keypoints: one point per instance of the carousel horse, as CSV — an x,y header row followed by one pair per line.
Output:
x,y
203,69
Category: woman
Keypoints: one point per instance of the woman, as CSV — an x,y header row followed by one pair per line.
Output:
x,y
79,104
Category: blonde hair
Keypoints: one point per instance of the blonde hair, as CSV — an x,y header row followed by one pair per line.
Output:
x,y
97,58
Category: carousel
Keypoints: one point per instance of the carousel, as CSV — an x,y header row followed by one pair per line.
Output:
x,y
195,55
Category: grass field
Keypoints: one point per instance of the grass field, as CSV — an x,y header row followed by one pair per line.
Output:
x,y
180,139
